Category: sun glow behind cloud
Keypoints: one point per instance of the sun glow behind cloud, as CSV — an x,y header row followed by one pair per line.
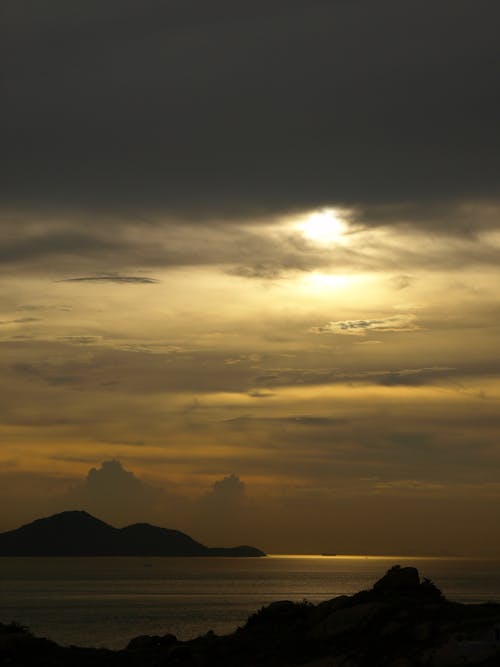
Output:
x,y
324,227
326,281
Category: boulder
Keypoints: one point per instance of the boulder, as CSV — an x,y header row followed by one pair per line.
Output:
x,y
352,619
398,579
151,642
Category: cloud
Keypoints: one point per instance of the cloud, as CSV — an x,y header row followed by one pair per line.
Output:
x,y
259,393
229,489
20,320
311,420
229,111
225,512
25,241
141,280
114,493
132,250
80,340
401,282
395,323
412,377
296,420
259,271
117,495
387,377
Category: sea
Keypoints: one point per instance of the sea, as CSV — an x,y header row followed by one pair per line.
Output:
x,y
105,602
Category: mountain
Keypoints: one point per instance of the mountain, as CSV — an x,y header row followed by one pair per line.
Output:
x,y
77,533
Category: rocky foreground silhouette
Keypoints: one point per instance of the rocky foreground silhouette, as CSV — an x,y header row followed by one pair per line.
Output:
x,y
401,622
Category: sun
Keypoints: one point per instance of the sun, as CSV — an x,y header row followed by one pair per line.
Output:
x,y
323,227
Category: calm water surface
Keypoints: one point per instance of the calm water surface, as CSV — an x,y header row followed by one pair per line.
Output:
x,y
107,601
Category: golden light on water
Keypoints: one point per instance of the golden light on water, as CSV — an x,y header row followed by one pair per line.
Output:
x,y
358,557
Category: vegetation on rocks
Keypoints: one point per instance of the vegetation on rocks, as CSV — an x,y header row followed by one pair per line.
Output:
x,y
400,622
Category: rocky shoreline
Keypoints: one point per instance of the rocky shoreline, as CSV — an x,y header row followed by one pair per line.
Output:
x,y
402,621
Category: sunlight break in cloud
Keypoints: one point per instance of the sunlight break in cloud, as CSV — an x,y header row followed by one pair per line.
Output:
x,y
361,327
323,227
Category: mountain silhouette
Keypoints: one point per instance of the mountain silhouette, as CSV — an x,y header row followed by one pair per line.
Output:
x,y
77,533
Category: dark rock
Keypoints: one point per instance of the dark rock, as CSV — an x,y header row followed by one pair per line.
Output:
x,y
151,641
183,656
322,610
398,579
401,622
282,607
349,620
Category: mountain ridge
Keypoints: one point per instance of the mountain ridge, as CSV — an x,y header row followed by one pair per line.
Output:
x,y
78,533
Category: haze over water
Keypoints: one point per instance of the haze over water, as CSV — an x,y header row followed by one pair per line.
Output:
x,y
107,601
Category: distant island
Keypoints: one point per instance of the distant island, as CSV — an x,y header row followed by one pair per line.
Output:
x,y
77,533
401,622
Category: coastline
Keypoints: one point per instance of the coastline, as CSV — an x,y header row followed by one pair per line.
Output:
x,y
401,621
104,602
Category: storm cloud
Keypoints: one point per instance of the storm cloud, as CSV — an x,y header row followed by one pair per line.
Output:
x,y
224,109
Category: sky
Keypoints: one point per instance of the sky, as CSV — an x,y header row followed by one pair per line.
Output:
x,y
249,261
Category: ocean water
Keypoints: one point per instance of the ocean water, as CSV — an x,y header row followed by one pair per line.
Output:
x,y
107,601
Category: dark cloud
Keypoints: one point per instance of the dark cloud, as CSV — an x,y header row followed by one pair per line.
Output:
x,y
386,377
113,493
46,242
134,370
228,490
225,109
226,504
20,320
55,376
393,323
120,250
414,377
309,420
263,271
300,420
112,279
80,340
118,495
259,393
401,282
